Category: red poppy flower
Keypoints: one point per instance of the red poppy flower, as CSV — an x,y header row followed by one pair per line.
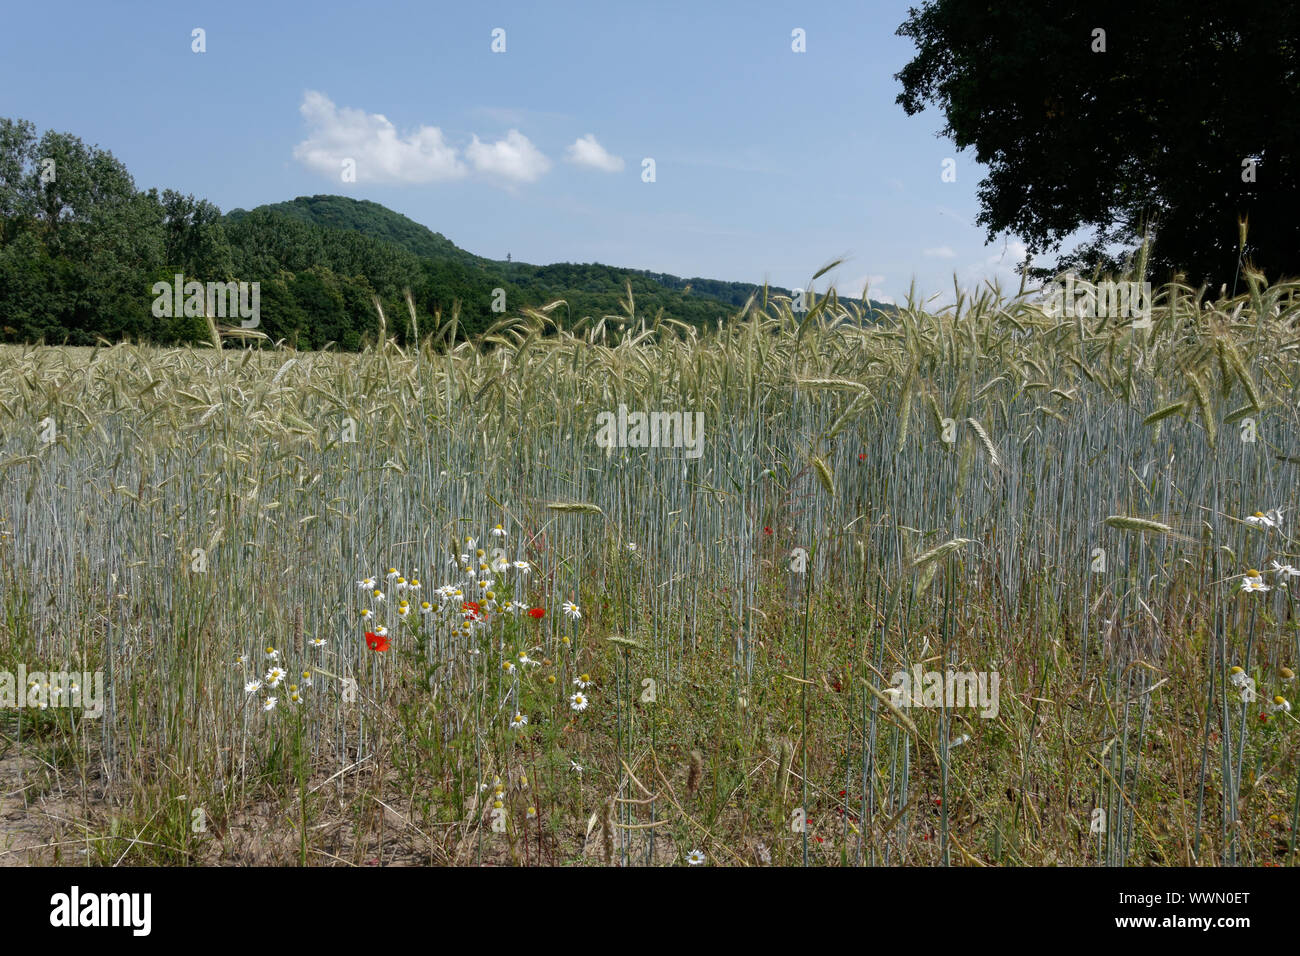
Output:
x,y
766,530
862,456
537,612
471,606
376,642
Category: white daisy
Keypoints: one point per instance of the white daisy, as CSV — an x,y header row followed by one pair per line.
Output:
x,y
695,858
579,701
1253,582
1280,703
268,705
583,681
253,686
1261,520
366,584
274,676
498,532
517,721
271,654
1284,570
571,610
523,566
317,642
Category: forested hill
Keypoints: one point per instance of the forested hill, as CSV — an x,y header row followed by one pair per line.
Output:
x,y
81,252
569,281
368,218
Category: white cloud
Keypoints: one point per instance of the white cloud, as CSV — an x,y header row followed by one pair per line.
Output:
x,y
514,158
940,252
1002,267
852,287
585,151
381,155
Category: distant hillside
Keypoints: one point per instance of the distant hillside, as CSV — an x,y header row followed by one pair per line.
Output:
x,y
379,222
83,256
369,219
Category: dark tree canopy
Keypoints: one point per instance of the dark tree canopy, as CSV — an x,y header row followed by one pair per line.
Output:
x,y
1148,137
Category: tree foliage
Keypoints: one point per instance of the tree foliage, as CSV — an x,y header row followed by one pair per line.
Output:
x,y
1150,136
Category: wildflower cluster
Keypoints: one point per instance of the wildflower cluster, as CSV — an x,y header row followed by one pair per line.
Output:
x,y
279,679
1252,582
482,598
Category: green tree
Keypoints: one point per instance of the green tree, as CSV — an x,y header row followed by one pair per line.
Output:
x,y
1150,134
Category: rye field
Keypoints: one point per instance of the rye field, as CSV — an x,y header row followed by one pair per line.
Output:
x,y
404,607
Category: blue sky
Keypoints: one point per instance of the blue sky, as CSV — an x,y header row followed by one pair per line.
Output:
x,y
768,163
